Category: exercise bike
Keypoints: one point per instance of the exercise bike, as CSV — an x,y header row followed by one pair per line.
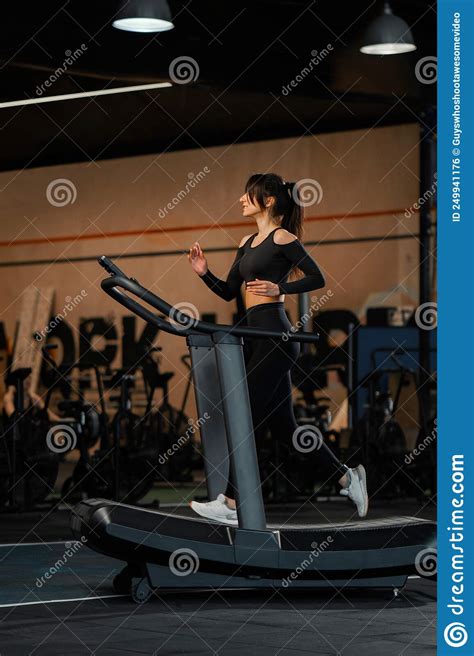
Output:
x,y
28,467
164,426
379,437
121,467
80,426
164,550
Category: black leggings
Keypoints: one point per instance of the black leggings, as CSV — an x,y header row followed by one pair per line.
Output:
x,y
268,364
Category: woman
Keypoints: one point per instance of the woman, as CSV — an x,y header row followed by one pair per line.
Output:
x,y
263,261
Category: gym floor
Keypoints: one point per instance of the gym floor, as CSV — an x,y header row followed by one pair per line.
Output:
x,y
75,610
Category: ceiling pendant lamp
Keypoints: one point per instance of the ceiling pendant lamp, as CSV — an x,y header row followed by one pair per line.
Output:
x,y
143,16
387,35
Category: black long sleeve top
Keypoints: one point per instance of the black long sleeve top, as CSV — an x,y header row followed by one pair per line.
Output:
x,y
268,261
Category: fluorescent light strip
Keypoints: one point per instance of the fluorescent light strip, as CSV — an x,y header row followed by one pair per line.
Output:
x,y
84,94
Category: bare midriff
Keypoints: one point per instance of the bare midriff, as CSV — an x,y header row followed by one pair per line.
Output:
x,y
253,299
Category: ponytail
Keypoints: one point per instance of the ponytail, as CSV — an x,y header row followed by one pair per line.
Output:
x,y
293,217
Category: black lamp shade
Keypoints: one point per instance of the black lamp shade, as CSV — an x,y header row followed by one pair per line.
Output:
x,y
388,35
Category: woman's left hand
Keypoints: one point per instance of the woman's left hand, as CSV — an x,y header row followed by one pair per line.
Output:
x,y
263,288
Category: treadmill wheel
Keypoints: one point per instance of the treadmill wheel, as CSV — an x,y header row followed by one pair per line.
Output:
x,y
141,591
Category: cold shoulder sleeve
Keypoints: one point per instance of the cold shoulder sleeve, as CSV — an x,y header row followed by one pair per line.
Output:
x,y
299,257
229,288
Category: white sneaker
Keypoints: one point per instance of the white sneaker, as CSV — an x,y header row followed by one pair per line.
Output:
x,y
216,510
357,490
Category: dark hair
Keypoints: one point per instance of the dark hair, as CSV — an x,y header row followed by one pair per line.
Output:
x,y
262,185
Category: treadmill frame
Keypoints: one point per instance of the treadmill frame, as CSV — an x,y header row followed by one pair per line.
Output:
x,y
252,554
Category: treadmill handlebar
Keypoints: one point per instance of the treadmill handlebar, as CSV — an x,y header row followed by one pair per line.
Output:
x,y
110,267
183,324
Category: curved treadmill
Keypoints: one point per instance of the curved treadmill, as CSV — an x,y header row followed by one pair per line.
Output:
x,y
171,551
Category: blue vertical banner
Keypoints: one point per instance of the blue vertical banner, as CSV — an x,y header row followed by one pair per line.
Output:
x,y
455,629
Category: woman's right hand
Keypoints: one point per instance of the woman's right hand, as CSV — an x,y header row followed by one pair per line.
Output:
x,y
197,259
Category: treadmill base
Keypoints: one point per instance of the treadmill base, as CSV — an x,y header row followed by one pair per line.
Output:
x,y
143,581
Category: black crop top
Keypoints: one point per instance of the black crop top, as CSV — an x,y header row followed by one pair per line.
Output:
x,y
268,261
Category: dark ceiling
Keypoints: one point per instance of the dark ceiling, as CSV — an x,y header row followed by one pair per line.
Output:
x,y
245,54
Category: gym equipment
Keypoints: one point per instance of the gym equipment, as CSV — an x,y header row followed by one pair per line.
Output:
x,y
28,468
376,435
312,410
378,438
383,317
369,348
83,415
163,426
122,467
82,423
166,550
132,456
